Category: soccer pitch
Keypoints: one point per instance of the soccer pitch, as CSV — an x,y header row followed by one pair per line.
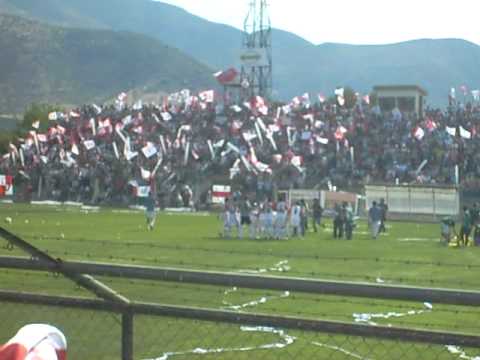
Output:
x,y
409,254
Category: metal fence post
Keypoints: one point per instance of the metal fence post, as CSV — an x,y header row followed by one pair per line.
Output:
x,y
127,335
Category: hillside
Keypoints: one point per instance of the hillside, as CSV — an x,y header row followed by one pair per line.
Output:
x,y
299,65
47,63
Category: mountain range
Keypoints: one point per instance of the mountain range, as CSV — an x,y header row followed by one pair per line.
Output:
x,y
299,66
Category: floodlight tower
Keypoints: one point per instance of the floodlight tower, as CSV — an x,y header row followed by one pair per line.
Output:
x,y
256,57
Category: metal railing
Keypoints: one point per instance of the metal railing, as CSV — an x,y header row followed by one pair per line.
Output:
x,y
112,326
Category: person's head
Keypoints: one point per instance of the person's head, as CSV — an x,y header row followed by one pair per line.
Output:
x,y
465,208
382,200
374,203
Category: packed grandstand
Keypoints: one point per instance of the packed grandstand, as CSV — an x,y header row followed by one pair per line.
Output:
x,y
109,154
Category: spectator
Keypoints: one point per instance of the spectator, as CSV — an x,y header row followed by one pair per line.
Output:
x,y
374,219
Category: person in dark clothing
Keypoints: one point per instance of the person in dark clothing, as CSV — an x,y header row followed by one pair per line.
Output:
x,y
349,221
384,209
338,222
466,227
317,214
374,219
303,217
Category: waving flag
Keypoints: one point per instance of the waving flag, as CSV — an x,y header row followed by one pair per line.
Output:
x,y
464,133
207,96
6,186
430,124
451,130
419,133
340,133
227,76
149,150
89,144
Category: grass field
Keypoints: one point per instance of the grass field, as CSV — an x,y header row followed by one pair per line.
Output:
x,y
409,254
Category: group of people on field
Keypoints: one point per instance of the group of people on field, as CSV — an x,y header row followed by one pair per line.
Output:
x,y
279,221
470,225
268,219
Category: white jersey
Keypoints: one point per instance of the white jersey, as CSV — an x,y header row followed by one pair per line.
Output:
x,y
295,216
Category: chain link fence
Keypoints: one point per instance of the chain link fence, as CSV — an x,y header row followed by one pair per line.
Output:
x,y
94,331
112,326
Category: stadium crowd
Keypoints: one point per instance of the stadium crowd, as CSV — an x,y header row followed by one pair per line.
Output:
x,y
177,150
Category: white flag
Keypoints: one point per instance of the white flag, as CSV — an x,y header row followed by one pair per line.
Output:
x,y
465,133
340,92
53,116
143,191
89,144
149,150
145,174
75,149
138,105
476,95
452,93
322,140
166,116
451,130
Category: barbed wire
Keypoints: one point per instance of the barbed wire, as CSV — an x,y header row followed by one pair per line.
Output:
x,y
237,267
289,256
241,292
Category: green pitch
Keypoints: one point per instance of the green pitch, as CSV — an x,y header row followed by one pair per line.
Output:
x,y
409,254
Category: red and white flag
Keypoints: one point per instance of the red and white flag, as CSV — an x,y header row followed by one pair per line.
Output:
x,y
419,133
340,133
430,124
297,161
207,96
227,76
322,98
35,342
6,186
42,138
220,193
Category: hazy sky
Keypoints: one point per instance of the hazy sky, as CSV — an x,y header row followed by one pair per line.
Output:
x,y
354,21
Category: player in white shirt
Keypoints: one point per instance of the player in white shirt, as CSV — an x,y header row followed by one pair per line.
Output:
x,y
267,220
226,220
295,219
281,220
254,226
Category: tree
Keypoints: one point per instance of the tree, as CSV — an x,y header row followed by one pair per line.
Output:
x,y
38,112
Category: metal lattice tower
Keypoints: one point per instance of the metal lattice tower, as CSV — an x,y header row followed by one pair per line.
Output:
x,y
256,67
